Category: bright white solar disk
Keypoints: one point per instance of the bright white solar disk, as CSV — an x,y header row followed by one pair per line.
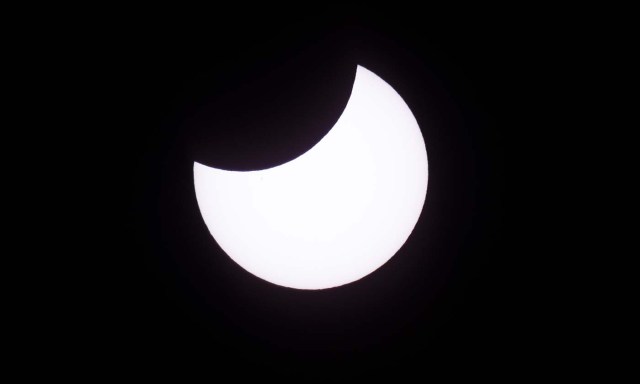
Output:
x,y
336,213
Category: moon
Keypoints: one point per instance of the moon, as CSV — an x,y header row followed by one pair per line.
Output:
x,y
336,213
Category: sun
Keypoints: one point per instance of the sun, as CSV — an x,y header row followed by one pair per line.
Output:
x,y
336,213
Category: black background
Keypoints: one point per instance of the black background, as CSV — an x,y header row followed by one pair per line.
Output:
x,y
253,92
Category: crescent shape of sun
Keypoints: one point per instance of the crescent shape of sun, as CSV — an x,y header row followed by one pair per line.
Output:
x,y
334,214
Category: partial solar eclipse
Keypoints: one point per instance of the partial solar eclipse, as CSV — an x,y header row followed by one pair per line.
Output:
x,y
336,213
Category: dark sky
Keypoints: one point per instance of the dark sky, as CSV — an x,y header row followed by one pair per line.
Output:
x,y
251,93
